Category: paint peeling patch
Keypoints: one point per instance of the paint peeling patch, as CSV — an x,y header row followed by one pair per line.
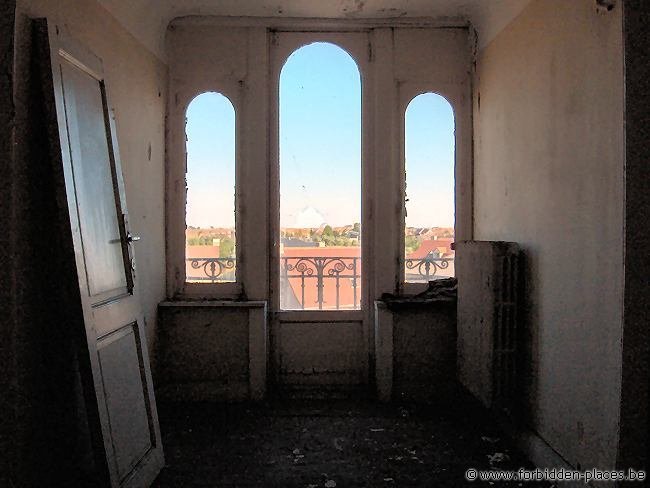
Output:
x,y
392,12
355,8
604,6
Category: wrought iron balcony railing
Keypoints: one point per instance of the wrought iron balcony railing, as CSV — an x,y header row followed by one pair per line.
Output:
x,y
336,279
425,269
210,269
316,282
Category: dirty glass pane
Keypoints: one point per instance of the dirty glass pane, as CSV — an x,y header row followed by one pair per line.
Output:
x,y
320,180
429,154
210,210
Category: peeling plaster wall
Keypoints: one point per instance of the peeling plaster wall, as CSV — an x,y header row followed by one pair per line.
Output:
x,y
549,174
50,439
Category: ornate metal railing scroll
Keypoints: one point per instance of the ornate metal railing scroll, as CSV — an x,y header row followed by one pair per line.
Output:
x,y
321,271
211,269
427,268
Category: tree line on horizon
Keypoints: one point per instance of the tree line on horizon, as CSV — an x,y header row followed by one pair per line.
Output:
x,y
345,236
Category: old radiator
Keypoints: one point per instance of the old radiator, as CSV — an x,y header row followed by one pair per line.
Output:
x,y
488,315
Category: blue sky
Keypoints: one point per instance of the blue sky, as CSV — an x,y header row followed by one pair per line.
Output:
x,y
429,152
320,137
320,149
210,161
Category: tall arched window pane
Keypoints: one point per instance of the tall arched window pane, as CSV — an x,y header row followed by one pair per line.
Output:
x,y
210,209
320,180
430,207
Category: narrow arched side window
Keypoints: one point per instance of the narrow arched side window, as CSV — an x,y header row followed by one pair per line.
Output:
x,y
210,236
429,152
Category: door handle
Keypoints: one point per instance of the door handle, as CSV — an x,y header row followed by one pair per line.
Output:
x,y
131,238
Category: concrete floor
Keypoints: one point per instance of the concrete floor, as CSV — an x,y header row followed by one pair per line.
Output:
x,y
330,444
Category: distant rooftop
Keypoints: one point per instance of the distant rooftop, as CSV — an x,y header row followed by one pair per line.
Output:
x,y
289,242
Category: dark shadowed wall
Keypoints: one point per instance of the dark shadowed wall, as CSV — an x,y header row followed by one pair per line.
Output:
x,y
549,174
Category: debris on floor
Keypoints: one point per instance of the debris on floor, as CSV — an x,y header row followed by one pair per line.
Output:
x,y
310,444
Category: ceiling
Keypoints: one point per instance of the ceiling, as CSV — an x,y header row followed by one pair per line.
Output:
x,y
147,20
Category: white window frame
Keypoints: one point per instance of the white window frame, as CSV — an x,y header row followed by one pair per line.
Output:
x,y
232,57
177,237
407,93
355,45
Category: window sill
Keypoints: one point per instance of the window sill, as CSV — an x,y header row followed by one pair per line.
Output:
x,y
215,303
230,291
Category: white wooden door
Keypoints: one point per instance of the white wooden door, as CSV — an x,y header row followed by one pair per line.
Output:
x,y
122,411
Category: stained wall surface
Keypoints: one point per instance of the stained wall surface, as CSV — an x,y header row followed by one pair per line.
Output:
x,y
424,353
549,174
203,355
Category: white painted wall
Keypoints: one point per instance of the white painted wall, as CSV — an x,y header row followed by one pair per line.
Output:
x,y
136,82
549,174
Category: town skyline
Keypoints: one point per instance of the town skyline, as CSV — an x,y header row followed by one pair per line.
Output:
x,y
325,235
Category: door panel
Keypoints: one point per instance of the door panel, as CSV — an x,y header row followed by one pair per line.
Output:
x,y
322,353
114,359
126,404
93,181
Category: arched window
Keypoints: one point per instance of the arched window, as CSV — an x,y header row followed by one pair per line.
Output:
x,y
320,180
429,147
210,206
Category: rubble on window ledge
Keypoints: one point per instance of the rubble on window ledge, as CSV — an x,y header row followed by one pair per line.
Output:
x,y
444,290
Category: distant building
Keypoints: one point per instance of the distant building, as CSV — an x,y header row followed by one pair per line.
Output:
x,y
297,232
292,242
438,248
213,232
